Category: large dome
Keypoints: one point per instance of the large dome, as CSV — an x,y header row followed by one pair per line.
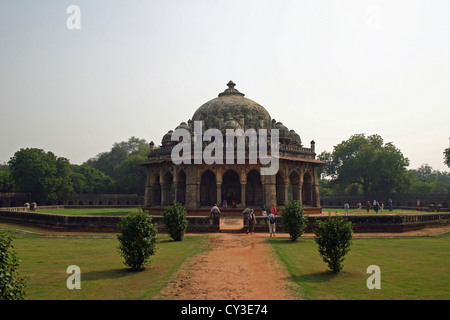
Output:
x,y
232,108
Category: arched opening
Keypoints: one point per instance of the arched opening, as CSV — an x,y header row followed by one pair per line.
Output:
x,y
181,187
156,192
307,196
231,187
280,189
167,189
208,189
253,190
294,186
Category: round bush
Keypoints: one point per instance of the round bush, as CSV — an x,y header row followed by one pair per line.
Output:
x,y
334,235
12,287
137,239
175,220
293,219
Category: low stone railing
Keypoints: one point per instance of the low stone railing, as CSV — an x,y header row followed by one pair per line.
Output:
x,y
97,223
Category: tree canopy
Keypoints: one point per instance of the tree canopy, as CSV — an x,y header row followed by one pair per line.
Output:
x,y
368,163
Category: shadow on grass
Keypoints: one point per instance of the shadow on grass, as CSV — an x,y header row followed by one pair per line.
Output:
x,y
316,277
108,274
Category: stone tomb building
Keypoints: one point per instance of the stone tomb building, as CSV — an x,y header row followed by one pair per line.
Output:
x,y
200,186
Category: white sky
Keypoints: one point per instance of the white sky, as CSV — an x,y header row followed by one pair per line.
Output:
x,y
327,69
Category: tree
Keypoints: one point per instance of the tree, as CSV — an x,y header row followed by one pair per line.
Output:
x,y
41,173
175,220
121,164
447,157
12,287
137,239
88,180
293,219
334,237
368,162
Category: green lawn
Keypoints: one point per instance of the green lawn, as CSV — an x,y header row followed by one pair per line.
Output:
x,y
91,211
371,211
45,258
411,268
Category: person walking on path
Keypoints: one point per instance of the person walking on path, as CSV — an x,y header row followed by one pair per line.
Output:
x,y
368,206
251,221
271,224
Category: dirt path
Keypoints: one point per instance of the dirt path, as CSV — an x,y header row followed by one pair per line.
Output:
x,y
244,267
238,266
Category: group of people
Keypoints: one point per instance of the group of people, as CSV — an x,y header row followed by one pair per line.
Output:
x,y
252,217
376,205
271,216
225,204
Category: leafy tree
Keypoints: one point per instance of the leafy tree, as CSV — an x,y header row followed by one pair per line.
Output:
x,y
41,173
6,182
175,220
293,219
368,162
137,239
447,157
130,176
88,180
425,180
12,287
334,237
121,164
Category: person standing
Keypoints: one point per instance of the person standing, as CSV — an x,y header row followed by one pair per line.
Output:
x,y
273,210
271,224
390,205
418,205
346,207
358,205
251,221
368,206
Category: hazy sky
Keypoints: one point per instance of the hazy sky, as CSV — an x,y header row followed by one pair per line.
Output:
x,y
327,69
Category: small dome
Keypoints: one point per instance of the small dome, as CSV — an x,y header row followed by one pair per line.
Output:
x,y
167,139
282,129
295,138
182,125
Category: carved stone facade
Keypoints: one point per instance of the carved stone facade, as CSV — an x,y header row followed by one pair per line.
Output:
x,y
202,185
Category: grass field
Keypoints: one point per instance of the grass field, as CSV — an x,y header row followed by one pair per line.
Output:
x,y
411,268
45,258
371,211
125,211
91,211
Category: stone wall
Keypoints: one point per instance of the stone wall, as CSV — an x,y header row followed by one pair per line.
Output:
x,y
399,201
96,223
18,199
370,223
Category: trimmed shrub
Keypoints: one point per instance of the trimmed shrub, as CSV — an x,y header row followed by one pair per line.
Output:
x,y
334,237
175,220
293,219
12,287
137,239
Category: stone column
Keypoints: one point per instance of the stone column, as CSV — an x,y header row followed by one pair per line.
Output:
x,y
219,194
286,192
243,185
270,191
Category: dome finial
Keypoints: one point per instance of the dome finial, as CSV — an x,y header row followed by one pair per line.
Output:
x,y
231,84
231,90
